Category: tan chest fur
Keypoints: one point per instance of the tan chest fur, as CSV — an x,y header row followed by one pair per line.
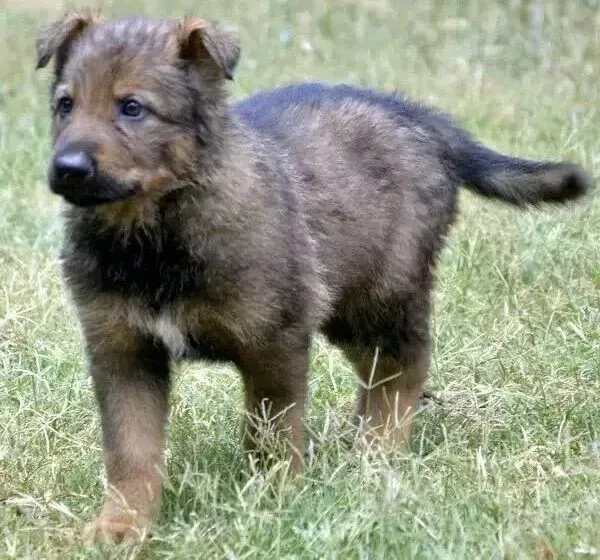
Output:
x,y
168,327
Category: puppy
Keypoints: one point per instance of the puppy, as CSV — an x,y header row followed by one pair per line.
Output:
x,y
195,228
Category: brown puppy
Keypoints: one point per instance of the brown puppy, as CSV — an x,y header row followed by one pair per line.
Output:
x,y
200,229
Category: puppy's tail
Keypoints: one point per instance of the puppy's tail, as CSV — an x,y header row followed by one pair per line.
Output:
x,y
516,181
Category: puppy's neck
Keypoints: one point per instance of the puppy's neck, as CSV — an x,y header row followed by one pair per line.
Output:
x,y
142,216
127,215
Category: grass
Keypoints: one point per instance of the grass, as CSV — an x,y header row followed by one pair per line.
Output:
x,y
507,466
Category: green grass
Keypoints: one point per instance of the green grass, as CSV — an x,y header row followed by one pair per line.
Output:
x,y
507,466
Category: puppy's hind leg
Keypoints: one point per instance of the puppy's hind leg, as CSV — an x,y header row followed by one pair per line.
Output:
x,y
389,393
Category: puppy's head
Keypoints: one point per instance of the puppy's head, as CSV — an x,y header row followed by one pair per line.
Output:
x,y
134,102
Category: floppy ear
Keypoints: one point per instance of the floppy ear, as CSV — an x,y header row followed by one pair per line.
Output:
x,y
207,42
54,39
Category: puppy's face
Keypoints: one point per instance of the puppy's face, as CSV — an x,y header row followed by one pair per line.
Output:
x,y
133,102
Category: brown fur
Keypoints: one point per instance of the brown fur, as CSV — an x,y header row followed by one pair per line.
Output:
x,y
200,229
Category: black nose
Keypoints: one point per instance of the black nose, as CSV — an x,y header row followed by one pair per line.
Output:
x,y
73,167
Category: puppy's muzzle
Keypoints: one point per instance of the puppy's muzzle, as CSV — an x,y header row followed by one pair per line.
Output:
x,y
75,176
73,168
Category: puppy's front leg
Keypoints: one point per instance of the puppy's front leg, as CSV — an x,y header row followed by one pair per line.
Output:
x,y
131,380
275,379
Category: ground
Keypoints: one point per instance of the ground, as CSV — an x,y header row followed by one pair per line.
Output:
x,y
507,465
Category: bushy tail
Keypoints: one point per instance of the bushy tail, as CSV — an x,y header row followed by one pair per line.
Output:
x,y
513,180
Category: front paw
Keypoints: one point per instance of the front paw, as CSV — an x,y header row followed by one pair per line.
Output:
x,y
116,528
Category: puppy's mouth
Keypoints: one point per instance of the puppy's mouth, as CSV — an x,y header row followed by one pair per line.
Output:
x,y
91,191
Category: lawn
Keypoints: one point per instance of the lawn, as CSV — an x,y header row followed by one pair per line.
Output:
x,y
505,465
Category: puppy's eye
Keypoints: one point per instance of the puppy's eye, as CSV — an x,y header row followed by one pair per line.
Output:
x,y
132,109
64,105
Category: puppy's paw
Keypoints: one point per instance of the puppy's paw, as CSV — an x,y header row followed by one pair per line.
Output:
x,y
116,528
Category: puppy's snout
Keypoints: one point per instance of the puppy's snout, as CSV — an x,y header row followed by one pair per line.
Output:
x,y
77,176
73,166
74,175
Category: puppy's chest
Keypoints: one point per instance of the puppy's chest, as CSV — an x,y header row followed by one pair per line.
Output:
x,y
153,269
180,338
165,329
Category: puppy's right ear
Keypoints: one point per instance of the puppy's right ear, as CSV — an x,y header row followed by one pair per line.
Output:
x,y
55,39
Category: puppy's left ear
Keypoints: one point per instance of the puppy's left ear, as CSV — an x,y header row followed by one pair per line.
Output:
x,y
206,42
